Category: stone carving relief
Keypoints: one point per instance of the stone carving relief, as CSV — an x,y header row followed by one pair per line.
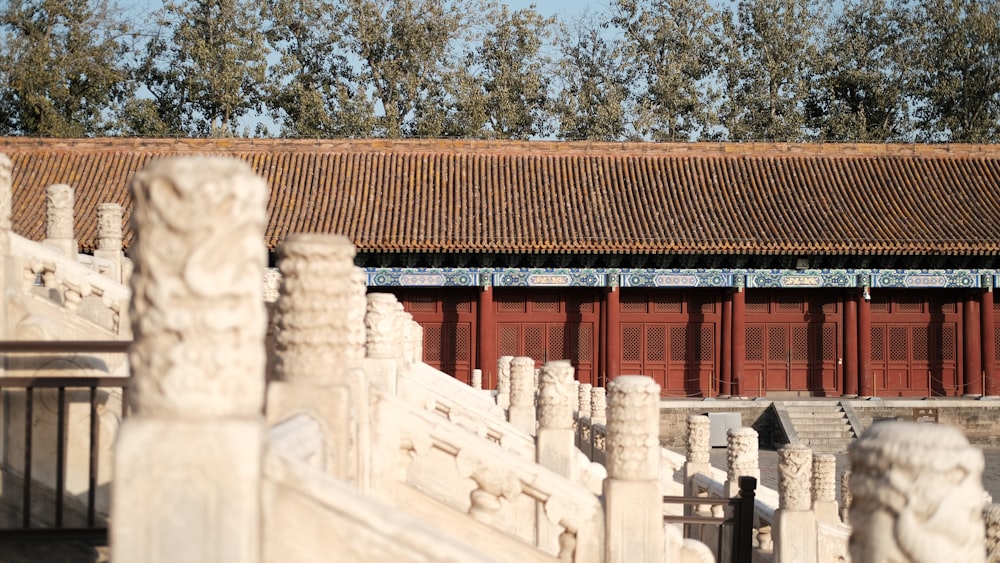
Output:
x,y
917,495
824,478
598,405
109,227
197,313
698,438
794,477
742,454
380,325
6,201
633,433
991,515
59,212
522,389
503,381
313,341
845,496
583,407
556,395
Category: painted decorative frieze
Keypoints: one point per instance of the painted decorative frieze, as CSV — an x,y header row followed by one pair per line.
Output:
x,y
926,278
546,277
675,278
199,260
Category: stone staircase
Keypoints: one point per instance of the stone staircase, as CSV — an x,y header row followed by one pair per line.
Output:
x,y
823,425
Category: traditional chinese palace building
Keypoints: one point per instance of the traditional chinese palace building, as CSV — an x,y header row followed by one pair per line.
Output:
x,y
717,269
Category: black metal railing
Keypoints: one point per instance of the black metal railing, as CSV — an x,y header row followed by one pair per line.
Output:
x,y
741,519
94,530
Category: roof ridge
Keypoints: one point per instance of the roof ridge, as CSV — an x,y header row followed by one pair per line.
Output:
x,y
505,147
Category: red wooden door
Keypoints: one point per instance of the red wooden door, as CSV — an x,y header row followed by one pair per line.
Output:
x,y
915,343
792,342
546,324
448,317
671,336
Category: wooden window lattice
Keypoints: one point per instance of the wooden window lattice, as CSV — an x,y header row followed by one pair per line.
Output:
x,y
909,304
757,303
921,343
828,343
584,342
678,343
534,342
800,343
897,344
668,303
508,340
463,342
633,303
422,304
706,345
755,343
777,344
510,304
632,343
557,349
432,343
545,304
656,343
878,343
949,344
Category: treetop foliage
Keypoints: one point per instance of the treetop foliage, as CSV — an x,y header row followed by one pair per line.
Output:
x,y
661,70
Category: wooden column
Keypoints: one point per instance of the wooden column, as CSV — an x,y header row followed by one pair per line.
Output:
x,y
602,344
613,330
726,373
865,377
487,337
989,344
971,348
850,364
739,342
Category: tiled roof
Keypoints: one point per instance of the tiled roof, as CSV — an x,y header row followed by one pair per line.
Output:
x,y
553,197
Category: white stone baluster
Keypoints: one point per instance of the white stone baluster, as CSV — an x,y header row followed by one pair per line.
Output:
x,y
521,412
188,462
794,522
824,488
59,220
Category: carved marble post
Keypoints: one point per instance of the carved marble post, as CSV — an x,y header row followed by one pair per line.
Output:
x,y
742,458
6,202
917,495
824,488
845,496
633,504
9,275
794,529
583,418
599,405
503,381
59,220
188,462
320,348
109,238
555,449
521,413
698,449
477,379
381,325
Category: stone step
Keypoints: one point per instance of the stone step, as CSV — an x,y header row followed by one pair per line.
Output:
x,y
838,434
819,421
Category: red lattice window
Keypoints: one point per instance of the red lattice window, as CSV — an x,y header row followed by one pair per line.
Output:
x,y
656,343
828,343
942,306
706,345
510,303
921,343
897,344
457,305
880,303
545,304
668,303
463,342
632,343
909,304
422,304
534,342
878,343
557,343
949,345
800,343
703,304
757,303
789,303
584,342
678,343
579,305
432,343
508,340
632,303
755,343
996,343
777,345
